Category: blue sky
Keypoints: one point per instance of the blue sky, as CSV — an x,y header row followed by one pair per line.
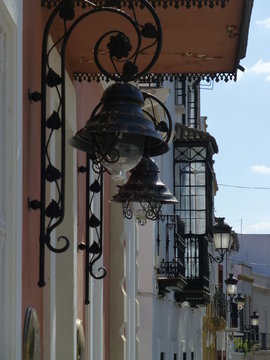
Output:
x,y
238,116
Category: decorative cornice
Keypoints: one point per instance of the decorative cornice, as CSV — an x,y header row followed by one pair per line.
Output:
x,y
188,134
152,78
245,278
155,3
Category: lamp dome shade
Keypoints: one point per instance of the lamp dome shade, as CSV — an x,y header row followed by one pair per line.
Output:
x,y
222,234
231,283
254,317
144,185
120,131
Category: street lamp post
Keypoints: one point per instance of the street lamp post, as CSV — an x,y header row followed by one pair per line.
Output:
x,y
231,283
240,301
254,326
222,239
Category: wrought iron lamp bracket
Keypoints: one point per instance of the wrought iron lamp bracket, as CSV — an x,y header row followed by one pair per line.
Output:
x,y
124,64
219,258
93,251
152,211
162,126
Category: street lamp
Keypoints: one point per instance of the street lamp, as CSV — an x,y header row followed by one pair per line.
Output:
x,y
120,133
231,284
254,319
254,326
240,301
222,239
146,191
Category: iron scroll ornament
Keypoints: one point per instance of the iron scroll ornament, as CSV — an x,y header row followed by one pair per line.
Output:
x,y
93,251
53,209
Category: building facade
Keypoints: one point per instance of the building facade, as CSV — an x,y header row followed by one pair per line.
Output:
x,y
60,233
250,265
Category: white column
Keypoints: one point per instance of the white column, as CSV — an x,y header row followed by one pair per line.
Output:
x,y
131,287
95,311
10,181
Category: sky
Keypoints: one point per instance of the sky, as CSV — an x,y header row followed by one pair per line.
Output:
x,y
238,116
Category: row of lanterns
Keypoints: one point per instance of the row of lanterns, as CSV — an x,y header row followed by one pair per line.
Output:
x,y
231,283
121,137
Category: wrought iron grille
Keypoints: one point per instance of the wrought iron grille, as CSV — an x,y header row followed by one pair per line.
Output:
x,y
172,266
180,92
193,178
196,260
219,303
193,187
192,105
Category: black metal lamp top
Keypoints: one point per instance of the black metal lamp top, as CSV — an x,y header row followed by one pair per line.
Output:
x,y
240,300
120,134
254,318
222,234
144,187
231,284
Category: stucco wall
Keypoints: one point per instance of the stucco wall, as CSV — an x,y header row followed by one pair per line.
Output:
x,y
10,178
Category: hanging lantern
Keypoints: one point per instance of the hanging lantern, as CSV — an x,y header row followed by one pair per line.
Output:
x,y
231,284
145,189
222,239
240,301
120,134
222,235
254,318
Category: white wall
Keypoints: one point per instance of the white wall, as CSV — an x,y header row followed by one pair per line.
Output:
x,y
10,178
261,301
60,293
164,325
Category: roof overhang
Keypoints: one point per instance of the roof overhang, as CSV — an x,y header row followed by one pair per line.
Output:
x,y
202,39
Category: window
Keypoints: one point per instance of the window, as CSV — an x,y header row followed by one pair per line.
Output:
x,y
193,188
175,357
184,356
220,276
193,113
171,233
162,356
180,92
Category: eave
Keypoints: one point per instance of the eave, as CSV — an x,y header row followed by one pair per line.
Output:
x,y
202,39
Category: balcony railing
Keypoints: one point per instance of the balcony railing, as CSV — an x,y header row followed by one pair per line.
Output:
x,y
219,303
171,270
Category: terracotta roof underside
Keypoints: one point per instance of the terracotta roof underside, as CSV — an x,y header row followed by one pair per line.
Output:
x,y
187,134
201,42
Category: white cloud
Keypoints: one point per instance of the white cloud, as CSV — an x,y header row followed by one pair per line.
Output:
x,y
240,74
261,68
265,23
260,169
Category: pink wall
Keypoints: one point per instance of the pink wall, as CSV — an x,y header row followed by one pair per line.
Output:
x,y
32,39
88,96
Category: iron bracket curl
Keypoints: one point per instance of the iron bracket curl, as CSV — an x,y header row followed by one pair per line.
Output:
x,y
52,207
93,249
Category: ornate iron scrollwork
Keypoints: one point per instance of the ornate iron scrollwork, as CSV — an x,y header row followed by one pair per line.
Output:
x,y
93,250
155,3
123,56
